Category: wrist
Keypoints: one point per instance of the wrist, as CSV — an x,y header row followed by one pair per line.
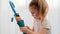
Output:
x,y
29,31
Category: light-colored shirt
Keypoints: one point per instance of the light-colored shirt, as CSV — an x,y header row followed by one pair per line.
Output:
x,y
38,25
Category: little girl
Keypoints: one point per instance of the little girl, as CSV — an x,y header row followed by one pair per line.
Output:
x,y
38,9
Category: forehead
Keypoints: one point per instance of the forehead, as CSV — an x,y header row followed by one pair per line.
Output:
x,y
33,9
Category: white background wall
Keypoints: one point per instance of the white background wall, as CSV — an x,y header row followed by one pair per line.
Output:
x,y
8,27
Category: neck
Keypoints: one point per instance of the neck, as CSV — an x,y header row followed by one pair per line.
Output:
x,y
42,19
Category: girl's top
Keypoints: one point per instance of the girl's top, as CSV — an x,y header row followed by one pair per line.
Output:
x,y
38,25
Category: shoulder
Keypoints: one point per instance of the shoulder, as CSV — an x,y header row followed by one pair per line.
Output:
x,y
46,24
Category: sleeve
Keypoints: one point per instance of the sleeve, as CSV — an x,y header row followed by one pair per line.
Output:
x,y
46,25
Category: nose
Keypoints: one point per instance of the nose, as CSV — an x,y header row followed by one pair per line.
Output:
x,y
34,15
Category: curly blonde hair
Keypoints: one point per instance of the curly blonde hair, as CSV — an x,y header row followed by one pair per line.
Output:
x,y
41,6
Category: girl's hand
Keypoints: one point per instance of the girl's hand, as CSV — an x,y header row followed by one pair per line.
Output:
x,y
24,29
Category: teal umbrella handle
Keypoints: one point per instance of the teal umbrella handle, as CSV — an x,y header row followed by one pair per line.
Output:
x,y
20,22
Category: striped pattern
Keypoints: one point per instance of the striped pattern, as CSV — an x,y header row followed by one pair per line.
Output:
x,y
18,18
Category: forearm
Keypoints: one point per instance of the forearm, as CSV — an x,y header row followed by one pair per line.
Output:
x,y
31,32
42,31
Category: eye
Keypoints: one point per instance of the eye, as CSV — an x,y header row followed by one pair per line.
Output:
x,y
33,12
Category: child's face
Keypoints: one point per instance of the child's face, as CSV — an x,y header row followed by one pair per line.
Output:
x,y
34,12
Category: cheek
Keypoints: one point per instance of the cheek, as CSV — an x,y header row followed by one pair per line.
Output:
x,y
35,15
